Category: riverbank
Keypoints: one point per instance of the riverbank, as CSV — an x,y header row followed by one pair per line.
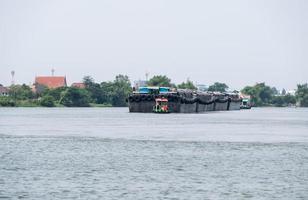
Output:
x,y
106,94
36,103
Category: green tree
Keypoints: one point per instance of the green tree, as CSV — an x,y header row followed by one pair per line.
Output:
x,y
218,87
188,85
21,92
161,81
289,99
302,94
278,101
260,93
55,93
47,101
107,87
88,81
265,92
96,93
121,88
114,93
40,89
253,93
274,91
75,97
283,100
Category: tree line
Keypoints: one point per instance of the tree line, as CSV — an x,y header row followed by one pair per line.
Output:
x,y
114,93
111,93
264,95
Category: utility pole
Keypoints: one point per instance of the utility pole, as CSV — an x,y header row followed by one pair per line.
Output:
x,y
13,77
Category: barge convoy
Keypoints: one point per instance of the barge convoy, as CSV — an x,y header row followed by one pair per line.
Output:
x,y
165,100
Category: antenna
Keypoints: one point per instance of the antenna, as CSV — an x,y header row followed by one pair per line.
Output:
x,y
13,77
52,72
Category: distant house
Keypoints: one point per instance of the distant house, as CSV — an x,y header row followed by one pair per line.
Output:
x,y
4,91
50,82
79,85
291,92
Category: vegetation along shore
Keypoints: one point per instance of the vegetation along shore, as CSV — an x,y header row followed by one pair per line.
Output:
x,y
114,93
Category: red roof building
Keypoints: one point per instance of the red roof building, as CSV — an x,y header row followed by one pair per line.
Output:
x,y
4,91
79,85
51,81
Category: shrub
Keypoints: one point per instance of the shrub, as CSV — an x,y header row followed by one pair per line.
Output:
x,y
7,102
302,95
47,101
75,97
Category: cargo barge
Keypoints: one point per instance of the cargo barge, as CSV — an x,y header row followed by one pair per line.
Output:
x,y
145,100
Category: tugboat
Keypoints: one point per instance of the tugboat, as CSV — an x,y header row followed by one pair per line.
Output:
x,y
246,102
161,105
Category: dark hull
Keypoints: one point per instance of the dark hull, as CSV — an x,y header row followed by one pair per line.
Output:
x,y
183,103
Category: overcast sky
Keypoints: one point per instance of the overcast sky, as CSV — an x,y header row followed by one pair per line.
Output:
x,y
236,42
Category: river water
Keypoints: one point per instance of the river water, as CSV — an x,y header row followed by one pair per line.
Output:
x,y
108,153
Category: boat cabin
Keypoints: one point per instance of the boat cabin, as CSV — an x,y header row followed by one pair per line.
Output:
x,y
246,103
161,105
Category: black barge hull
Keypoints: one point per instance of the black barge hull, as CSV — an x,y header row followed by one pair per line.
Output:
x,y
185,102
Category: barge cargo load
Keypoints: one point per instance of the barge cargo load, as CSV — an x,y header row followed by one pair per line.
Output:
x,y
183,101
